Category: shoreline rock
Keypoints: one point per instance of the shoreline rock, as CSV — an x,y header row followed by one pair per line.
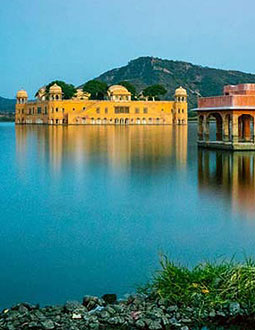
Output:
x,y
135,312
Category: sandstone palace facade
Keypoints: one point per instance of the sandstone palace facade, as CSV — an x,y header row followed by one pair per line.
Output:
x,y
117,109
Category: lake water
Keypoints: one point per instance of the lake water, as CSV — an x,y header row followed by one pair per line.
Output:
x,y
87,210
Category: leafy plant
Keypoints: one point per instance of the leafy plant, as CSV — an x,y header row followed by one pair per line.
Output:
x,y
96,88
154,91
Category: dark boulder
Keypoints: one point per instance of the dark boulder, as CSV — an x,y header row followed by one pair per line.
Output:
x,y
110,298
91,302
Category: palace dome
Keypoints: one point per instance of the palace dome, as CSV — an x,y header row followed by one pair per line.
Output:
x,y
55,89
22,94
118,90
180,91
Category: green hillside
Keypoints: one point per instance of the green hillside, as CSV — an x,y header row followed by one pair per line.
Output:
x,y
198,80
146,71
7,105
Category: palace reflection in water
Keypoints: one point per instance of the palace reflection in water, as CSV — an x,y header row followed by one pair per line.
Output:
x,y
233,173
116,147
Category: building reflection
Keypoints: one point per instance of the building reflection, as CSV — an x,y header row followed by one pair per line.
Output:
x,y
232,173
118,147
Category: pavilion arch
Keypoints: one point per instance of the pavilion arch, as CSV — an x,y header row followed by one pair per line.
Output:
x,y
126,121
245,128
219,124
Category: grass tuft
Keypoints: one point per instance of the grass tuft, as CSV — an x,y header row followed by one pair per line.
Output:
x,y
208,285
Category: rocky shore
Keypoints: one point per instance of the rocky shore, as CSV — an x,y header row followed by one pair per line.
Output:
x,y
135,312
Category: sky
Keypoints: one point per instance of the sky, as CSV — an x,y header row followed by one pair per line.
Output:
x,y
76,40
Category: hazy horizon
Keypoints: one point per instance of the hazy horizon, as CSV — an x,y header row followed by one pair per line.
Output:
x,y
79,40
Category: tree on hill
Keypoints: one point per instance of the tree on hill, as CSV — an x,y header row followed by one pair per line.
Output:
x,y
131,88
68,90
96,88
154,91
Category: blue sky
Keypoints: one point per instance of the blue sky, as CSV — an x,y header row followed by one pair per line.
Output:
x,y
42,40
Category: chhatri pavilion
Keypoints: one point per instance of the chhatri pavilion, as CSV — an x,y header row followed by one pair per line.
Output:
x,y
118,108
234,113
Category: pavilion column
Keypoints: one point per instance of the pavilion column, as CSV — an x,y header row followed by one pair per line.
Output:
x,y
200,129
206,128
226,136
218,129
234,128
253,132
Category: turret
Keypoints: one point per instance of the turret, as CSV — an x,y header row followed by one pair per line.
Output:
x,y
118,93
181,107
22,96
55,93
180,95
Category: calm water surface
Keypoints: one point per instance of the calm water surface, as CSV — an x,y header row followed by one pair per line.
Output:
x,y
86,210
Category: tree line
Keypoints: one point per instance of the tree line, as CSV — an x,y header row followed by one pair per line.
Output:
x,y
98,90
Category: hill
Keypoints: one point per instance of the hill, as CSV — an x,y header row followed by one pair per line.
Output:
x,y
198,80
7,105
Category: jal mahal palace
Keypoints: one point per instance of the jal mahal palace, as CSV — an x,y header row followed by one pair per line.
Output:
x,y
117,109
